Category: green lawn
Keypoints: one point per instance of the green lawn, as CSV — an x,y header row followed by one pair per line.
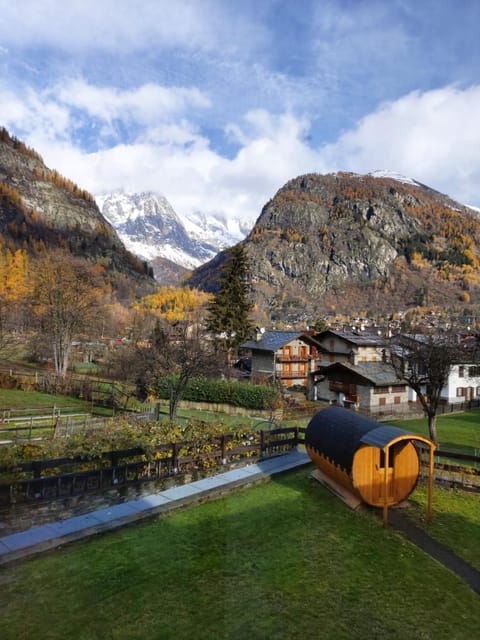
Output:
x,y
282,560
15,399
453,429
455,522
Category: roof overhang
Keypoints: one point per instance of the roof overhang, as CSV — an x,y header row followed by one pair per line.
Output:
x,y
387,435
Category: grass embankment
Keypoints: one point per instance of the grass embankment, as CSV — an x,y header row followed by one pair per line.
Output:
x,y
282,560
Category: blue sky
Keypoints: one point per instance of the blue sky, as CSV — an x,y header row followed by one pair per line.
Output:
x,y
217,103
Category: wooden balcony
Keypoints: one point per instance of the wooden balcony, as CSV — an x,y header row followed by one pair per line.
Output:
x,y
293,358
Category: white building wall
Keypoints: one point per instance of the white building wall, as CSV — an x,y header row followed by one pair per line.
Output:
x,y
460,378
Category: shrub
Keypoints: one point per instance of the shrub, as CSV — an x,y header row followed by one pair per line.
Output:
x,y
239,394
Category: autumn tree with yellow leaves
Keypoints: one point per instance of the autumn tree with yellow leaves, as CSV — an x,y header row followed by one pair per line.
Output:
x,y
66,301
174,303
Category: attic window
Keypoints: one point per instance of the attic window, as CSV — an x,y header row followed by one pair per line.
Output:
x,y
380,390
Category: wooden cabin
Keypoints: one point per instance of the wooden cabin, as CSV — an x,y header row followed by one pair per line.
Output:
x,y
377,463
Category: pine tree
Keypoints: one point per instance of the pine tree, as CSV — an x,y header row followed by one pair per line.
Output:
x,y
229,312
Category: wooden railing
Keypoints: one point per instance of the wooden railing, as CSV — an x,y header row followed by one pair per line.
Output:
x,y
62,477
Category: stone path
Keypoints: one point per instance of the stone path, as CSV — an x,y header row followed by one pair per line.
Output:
x,y
40,538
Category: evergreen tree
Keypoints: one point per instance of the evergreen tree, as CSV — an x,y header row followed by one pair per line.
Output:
x,y
229,312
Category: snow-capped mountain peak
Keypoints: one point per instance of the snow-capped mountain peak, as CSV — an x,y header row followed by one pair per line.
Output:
x,y
149,226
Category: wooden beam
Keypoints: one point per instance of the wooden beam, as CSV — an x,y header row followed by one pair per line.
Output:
x,y
385,485
430,481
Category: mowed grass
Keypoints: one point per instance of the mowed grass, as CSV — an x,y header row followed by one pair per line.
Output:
x,y
281,560
453,429
16,399
455,522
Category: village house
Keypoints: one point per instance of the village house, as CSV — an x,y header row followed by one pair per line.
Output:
x,y
350,346
287,357
463,384
371,387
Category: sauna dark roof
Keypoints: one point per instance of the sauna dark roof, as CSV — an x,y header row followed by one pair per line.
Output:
x,y
337,433
382,435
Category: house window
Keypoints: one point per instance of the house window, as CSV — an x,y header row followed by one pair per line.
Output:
x,y
460,392
331,357
474,372
332,345
382,402
399,388
461,371
396,400
478,392
380,390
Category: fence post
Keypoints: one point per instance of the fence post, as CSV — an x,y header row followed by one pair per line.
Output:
x,y
175,457
114,464
224,459
262,443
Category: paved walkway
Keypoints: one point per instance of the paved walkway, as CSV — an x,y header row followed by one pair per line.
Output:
x,y
435,549
40,538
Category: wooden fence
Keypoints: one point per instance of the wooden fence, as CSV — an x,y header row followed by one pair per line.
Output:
x,y
62,477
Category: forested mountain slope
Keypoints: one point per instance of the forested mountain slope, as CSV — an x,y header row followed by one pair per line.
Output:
x,y
41,210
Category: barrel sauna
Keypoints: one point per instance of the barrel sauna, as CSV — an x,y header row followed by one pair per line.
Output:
x,y
376,462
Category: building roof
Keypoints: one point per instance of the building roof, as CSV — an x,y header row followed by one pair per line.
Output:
x,y
272,340
361,339
378,373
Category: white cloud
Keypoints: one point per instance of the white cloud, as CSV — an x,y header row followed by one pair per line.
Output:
x,y
31,112
433,137
57,112
144,105
125,26
178,162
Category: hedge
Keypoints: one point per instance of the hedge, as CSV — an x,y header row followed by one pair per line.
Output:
x,y
239,394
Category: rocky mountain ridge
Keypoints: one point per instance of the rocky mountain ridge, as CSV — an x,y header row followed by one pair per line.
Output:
x,y
373,242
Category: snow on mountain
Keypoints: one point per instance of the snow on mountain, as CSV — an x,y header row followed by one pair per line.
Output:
x,y
476,209
150,228
384,173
